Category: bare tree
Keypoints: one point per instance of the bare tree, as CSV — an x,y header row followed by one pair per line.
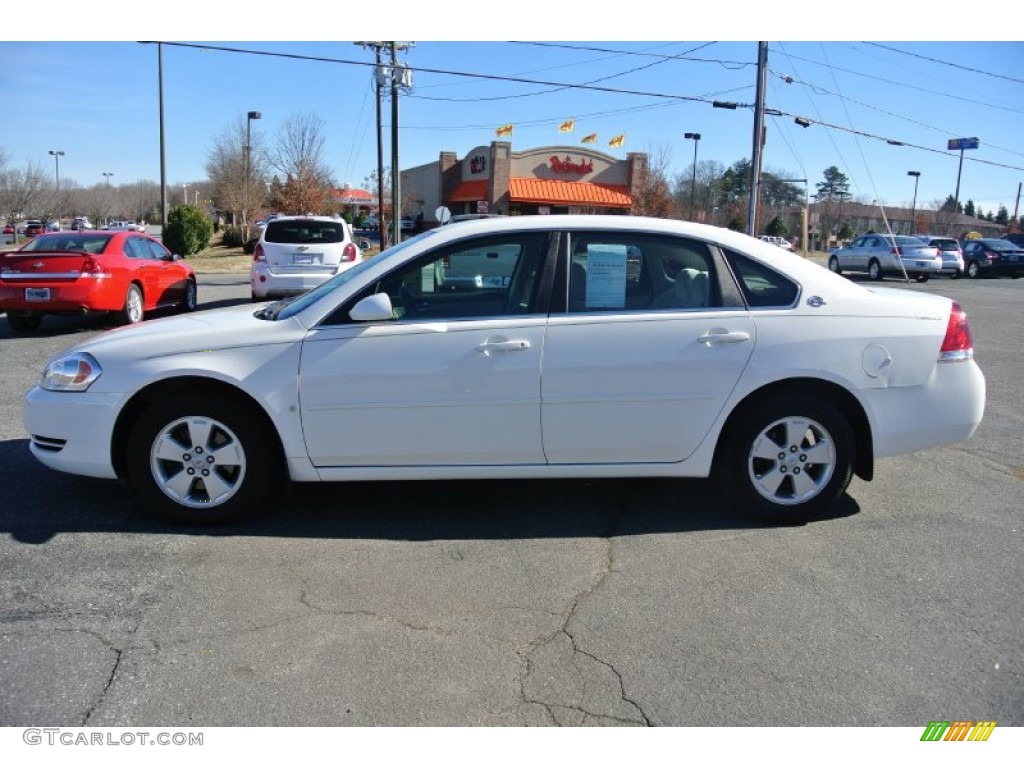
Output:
x,y
238,174
305,182
24,191
943,218
653,195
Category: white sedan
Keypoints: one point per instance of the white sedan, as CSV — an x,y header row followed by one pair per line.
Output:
x,y
524,347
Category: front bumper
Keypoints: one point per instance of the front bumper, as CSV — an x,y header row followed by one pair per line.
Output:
x,y
72,431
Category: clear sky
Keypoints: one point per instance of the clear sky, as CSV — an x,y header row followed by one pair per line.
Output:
x,y
97,101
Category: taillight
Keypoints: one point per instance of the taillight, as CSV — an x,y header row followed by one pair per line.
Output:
x,y
349,254
93,268
992,255
957,345
257,253
896,250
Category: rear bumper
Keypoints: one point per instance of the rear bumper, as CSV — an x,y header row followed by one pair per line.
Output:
x,y
82,295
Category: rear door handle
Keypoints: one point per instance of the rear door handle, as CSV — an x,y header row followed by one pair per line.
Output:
x,y
723,337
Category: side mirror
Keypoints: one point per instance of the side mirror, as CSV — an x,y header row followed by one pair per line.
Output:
x,y
373,308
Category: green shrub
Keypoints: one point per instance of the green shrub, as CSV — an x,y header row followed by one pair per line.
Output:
x,y
233,238
188,230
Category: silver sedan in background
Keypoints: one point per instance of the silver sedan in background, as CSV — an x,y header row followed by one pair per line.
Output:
x,y
881,255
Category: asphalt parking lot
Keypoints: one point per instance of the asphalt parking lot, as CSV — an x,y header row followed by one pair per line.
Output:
x,y
523,603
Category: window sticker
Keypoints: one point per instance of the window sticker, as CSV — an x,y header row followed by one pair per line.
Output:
x,y
606,276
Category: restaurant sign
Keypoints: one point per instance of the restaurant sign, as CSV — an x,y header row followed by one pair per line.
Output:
x,y
568,166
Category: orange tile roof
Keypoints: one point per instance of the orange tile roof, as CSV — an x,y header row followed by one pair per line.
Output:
x,y
468,191
568,192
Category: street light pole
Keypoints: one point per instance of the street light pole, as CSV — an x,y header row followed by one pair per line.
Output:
x,y
57,155
693,183
108,174
913,207
248,165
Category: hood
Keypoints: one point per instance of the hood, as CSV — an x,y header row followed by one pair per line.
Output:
x,y
204,331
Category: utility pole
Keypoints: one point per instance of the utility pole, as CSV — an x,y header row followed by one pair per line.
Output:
x,y
755,158
396,76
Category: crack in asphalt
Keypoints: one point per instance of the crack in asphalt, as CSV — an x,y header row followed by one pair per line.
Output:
x,y
607,567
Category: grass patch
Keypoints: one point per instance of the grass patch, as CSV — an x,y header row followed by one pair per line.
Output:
x,y
217,257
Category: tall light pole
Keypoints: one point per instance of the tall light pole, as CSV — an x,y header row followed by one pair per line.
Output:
x,y
693,182
57,155
913,207
248,165
108,174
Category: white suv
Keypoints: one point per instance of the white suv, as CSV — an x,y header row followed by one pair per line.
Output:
x,y
296,253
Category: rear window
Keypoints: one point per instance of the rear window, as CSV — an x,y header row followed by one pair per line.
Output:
x,y
68,242
945,245
304,231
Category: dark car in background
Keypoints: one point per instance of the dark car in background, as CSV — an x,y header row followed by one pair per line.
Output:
x,y
34,227
993,256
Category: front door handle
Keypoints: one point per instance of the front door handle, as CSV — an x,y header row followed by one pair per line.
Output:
x,y
487,347
718,336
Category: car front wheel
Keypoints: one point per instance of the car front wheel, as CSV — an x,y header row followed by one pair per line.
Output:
x,y
787,459
200,463
191,300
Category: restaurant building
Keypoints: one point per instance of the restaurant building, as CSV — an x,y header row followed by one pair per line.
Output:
x,y
546,180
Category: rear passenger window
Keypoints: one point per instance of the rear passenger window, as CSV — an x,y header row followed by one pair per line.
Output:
x,y
623,271
761,286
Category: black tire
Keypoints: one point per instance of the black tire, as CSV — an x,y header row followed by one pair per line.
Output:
x,y
233,453
833,265
922,278
24,322
956,274
766,466
973,270
133,310
875,270
191,299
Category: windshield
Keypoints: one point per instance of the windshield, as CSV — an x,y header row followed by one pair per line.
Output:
x,y
282,310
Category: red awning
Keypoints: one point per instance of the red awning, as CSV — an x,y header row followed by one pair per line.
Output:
x,y
549,191
469,191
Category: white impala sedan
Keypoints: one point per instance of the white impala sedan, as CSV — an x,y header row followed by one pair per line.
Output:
x,y
524,347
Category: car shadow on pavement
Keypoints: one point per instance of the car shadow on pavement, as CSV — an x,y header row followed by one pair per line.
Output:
x,y
41,503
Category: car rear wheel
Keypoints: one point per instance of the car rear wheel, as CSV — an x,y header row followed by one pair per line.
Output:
x,y
133,310
875,270
973,270
24,322
833,265
922,278
787,459
201,463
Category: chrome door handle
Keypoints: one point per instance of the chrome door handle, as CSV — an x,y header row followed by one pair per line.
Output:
x,y
503,346
723,337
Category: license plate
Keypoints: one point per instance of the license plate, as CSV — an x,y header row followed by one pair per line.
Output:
x,y
37,294
923,263
307,258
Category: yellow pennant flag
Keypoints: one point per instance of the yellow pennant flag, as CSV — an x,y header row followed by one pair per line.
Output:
x,y
567,126
504,130
617,141
589,139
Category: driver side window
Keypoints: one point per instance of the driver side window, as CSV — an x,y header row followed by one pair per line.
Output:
x,y
490,277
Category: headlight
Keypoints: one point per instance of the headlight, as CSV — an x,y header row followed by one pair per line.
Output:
x,y
71,373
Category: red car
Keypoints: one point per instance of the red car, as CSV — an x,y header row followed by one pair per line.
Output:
x,y
8,229
92,271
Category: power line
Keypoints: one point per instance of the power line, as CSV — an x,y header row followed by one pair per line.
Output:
x,y
946,63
